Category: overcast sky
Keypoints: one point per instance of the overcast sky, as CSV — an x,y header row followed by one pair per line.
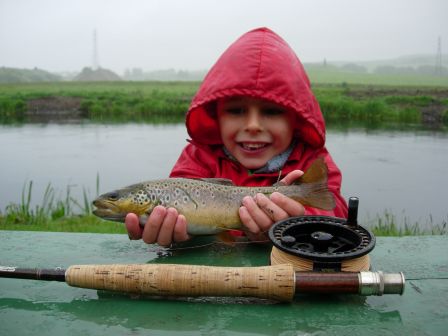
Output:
x,y
57,35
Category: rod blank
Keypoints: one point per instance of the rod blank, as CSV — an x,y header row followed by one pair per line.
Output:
x,y
57,274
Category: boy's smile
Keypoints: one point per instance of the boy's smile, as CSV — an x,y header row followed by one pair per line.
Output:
x,y
254,130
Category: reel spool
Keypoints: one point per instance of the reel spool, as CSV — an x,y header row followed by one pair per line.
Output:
x,y
323,243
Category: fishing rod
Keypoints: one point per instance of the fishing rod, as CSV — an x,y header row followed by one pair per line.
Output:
x,y
278,282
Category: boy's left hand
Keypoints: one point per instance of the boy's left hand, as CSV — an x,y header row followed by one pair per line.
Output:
x,y
260,212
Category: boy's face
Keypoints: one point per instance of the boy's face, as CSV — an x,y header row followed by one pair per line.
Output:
x,y
254,130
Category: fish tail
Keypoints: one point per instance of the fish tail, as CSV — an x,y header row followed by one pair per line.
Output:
x,y
316,195
313,187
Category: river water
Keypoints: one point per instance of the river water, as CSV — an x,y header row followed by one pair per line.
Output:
x,y
401,173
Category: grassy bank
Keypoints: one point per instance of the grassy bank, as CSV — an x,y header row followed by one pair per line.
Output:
x,y
341,103
55,214
74,223
100,102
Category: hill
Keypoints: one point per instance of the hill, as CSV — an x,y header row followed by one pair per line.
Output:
x,y
14,75
97,75
137,74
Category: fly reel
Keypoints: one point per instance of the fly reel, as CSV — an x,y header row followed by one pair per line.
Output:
x,y
323,243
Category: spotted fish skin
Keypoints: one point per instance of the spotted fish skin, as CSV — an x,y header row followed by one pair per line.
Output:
x,y
209,205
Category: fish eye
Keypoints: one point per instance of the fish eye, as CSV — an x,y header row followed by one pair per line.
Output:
x,y
112,196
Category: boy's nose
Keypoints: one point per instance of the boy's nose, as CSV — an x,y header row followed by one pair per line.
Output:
x,y
253,122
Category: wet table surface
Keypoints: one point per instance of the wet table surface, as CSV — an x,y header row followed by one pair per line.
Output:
x,y
30,307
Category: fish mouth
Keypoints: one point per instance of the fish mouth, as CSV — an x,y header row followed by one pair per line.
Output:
x,y
108,211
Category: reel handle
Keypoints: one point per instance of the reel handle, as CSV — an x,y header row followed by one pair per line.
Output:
x,y
352,218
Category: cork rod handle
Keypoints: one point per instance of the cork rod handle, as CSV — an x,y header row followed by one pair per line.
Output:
x,y
267,282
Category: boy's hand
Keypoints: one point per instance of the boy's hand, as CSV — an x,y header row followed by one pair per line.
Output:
x,y
164,227
260,212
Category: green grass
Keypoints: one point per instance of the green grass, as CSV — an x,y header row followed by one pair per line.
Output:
x,y
56,215
74,223
386,226
332,75
103,101
381,106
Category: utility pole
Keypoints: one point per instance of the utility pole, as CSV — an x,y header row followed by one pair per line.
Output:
x,y
95,64
438,67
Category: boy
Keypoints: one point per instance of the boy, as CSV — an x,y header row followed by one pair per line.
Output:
x,y
254,120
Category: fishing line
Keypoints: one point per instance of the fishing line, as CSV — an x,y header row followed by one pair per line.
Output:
x,y
301,264
429,278
322,243
178,248
172,248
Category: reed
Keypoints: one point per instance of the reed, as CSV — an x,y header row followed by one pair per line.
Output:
x,y
51,208
388,224
62,214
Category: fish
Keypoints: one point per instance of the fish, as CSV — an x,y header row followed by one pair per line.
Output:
x,y
210,206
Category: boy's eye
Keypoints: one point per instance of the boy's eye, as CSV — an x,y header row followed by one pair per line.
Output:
x,y
235,110
272,111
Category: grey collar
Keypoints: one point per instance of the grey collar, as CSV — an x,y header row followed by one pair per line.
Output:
x,y
273,165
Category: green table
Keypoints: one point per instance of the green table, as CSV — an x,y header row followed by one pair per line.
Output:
x,y
29,307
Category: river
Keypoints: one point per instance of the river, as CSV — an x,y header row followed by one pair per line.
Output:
x,y
394,172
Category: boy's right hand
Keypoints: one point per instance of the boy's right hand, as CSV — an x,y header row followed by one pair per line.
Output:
x,y
260,212
164,227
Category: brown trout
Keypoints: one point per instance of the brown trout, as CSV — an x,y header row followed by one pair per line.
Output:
x,y
209,205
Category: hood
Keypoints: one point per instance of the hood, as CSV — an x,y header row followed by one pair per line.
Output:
x,y
262,65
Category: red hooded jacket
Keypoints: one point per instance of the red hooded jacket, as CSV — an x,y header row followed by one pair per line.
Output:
x,y
259,64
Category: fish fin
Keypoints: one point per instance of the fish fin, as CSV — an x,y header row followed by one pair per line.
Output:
x,y
221,181
317,172
314,186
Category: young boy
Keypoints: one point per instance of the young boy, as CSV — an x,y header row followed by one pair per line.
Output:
x,y
254,120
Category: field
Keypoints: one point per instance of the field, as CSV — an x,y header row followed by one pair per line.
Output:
x,y
333,75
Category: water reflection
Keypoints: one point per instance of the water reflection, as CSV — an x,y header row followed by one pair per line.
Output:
x,y
309,315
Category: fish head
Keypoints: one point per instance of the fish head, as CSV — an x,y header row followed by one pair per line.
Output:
x,y
115,205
